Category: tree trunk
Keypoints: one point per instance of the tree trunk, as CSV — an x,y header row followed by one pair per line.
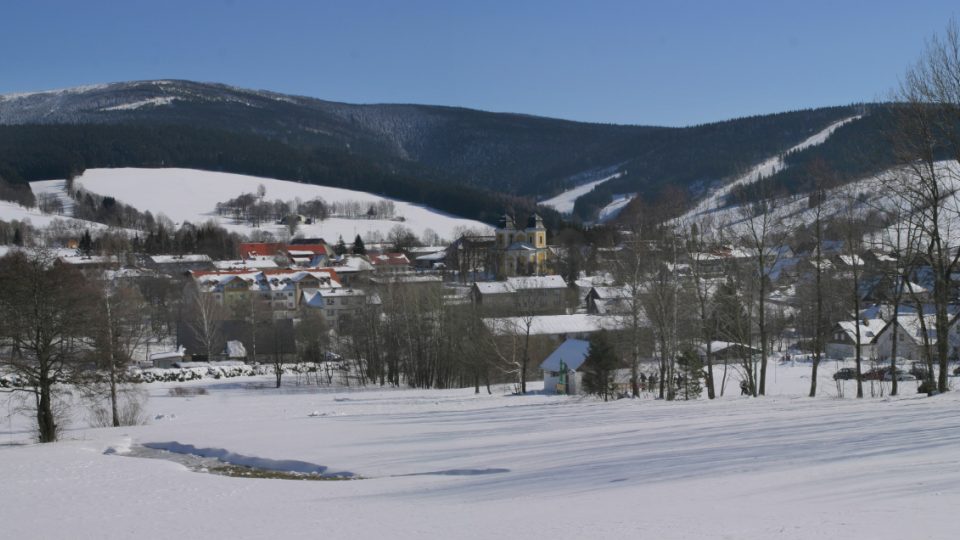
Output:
x,y
45,420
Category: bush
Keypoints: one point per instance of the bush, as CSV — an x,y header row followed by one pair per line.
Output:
x,y
181,391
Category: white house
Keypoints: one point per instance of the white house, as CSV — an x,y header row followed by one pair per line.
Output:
x,y
560,369
843,339
910,340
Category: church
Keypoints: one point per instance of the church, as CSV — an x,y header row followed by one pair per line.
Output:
x,y
521,252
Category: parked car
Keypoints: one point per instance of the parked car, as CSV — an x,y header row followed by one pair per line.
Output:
x,y
956,371
845,374
874,374
900,374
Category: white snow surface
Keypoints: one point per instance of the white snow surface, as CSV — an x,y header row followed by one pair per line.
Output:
x,y
12,211
564,202
152,102
612,210
192,195
452,464
57,188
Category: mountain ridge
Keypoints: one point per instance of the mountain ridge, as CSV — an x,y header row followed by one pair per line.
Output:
x,y
514,154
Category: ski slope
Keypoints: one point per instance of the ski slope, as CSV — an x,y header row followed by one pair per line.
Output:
x,y
861,198
612,210
715,200
564,202
452,464
192,195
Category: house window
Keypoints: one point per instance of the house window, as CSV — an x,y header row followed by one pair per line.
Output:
x,y
330,301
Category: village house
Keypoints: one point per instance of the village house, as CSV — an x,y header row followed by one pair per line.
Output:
x,y
337,304
179,264
283,288
909,329
609,300
472,257
561,373
390,264
530,294
843,339
352,269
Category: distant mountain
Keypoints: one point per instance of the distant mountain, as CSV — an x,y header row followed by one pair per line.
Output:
x,y
416,152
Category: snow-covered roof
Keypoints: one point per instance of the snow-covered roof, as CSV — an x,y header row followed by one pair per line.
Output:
x,y
349,264
188,258
540,325
255,262
869,329
493,287
572,352
167,354
514,284
718,346
437,256
851,260
608,293
266,280
315,297
389,259
81,260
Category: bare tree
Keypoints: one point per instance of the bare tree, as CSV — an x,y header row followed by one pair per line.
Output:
x,y
703,287
123,328
821,176
46,311
763,235
206,319
631,270
927,131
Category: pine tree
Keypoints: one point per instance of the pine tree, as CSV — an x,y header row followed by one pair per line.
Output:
x,y
341,247
691,370
86,244
358,247
600,367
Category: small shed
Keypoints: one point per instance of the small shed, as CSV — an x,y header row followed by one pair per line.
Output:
x,y
166,359
560,369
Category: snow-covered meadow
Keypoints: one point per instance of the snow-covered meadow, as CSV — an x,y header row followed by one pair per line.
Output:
x,y
192,195
452,464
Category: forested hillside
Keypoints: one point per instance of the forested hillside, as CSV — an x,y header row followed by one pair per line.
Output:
x,y
468,162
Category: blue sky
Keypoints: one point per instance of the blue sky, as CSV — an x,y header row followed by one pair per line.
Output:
x,y
636,62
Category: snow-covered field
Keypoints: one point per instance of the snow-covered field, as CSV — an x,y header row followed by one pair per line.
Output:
x,y
564,202
192,195
451,464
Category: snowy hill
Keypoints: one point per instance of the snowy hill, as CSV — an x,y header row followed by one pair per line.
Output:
x,y
192,195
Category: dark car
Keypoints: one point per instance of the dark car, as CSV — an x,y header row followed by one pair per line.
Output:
x,y
900,374
875,374
845,374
